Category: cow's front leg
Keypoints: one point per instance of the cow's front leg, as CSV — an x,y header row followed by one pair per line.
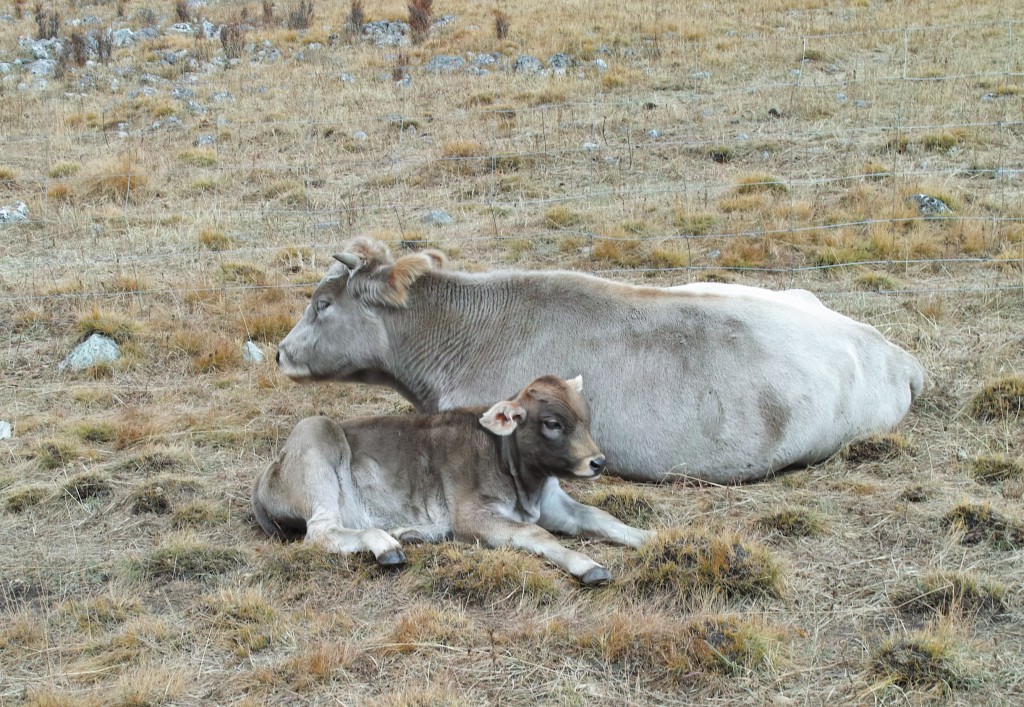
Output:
x,y
498,531
561,514
327,531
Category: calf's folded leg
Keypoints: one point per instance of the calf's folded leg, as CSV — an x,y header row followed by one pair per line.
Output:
x,y
561,514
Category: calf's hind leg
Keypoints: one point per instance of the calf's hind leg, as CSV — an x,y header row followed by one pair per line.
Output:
x,y
307,486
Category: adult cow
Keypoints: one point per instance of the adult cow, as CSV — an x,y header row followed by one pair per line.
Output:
x,y
723,383
475,473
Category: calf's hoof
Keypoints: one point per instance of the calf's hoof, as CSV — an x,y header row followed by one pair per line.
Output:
x,y
595,577
412,536
391,558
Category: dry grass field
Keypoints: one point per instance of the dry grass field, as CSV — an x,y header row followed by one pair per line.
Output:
x,y
185,193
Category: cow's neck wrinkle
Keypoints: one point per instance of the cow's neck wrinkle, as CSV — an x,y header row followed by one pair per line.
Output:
x,y
436,339
529,483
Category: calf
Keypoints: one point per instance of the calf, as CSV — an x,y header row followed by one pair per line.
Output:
x,y
478,474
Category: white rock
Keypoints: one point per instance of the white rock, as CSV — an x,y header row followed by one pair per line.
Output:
x,y
6,431
251,353
14,214
96,349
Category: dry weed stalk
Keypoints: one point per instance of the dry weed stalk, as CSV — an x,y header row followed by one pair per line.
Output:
x,y
420,12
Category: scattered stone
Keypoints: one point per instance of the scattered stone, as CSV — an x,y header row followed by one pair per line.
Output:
x,y
438,217
222,96
591,146
152,79
194,107
205,140
386,33
122,37
5,68
841,97
346,77
42,67
476,71
654,134
859,103
14,214
526,64
180,28
147,33
251,353
600,64
701,75
6,431
560,61
445,64
929,205
41,48
360,136
94,350
147,91
210,30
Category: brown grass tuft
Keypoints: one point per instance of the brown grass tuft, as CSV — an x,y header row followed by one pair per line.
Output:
x,y
679,564
487,576
998,400
793,522
922,660
87,485
55,453
294,563
21,499
185,558
157,495
629,505
979,523
993,468
759,182
947,592
102,612
111,324
214,239
197,515
218,354
425,627
877,448
120,181
309,667
420,18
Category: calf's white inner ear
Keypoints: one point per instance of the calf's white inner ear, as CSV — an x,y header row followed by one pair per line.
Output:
x,y
503,418
576,383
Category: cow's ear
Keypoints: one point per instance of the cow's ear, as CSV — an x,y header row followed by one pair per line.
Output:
x,y
503,418
406,271
576,383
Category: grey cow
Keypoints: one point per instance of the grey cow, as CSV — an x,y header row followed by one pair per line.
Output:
x,y
724,383
487,474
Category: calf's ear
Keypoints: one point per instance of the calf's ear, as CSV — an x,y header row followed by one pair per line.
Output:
x,y
503,418
576,383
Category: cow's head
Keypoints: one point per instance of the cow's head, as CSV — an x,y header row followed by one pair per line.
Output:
x,y
551,423
341,334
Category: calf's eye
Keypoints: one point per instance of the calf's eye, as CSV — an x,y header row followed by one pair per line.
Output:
x,y
321,305
553,425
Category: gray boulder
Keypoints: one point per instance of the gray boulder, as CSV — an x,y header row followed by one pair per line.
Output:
x,y
94,350
251,353
445,64
930,205
526,64
14,214
438,217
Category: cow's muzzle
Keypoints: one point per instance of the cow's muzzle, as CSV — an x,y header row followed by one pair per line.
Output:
x,y
597,465
593,468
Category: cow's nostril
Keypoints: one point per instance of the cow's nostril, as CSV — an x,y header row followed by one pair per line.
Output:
x,y
278,357
597,464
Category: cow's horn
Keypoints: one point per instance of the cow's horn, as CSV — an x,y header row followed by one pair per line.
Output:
x,y
349,260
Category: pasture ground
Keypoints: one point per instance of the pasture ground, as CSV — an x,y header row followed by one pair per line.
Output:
x,y
775,143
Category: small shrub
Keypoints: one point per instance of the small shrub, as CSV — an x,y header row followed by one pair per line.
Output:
x,y
47,22
630,506
679,564
793,522
88,484
923,660
487,576
562,217
501,25
877,448
419,19
20,500
980,523
214,239
268,13
105,44
356,16
948,592
301,15
232,39
79,50
993,468
181,13
186,559
998,400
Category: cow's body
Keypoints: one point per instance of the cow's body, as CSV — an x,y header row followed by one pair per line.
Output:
x,y
370,483
716,382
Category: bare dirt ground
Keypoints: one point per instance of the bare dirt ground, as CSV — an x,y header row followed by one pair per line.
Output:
x,y
185,203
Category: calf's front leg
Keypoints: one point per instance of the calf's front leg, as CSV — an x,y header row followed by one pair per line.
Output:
x,y
496,530
561,514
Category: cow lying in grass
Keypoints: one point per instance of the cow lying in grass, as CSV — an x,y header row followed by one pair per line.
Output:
x,y
486,474
723,383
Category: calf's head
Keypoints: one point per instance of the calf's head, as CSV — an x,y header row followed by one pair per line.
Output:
x,y
551,424
341,335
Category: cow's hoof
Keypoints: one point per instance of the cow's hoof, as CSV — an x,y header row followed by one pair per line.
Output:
x,y
391,558
413,537
595,577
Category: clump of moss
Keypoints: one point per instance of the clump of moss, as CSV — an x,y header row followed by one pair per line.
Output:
x,y
679,564
945,592
876,448
88,484
793,522
980,523
486,576
186,559
631,506
993,468
20,500
998,400
924,660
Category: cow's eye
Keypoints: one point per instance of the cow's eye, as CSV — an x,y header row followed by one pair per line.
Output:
x,y
552,425
321,305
